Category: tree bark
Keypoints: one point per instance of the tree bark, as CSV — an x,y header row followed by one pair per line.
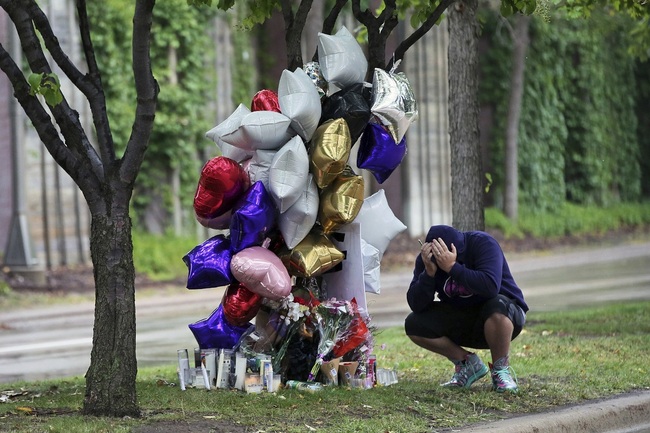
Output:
x,y
466,176
379,29
520,41
293,27
113,366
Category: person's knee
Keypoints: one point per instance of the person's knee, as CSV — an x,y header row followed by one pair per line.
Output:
x,y
499,320
410,323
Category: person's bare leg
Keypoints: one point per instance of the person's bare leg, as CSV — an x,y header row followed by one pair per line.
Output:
x,y
498,333
442,346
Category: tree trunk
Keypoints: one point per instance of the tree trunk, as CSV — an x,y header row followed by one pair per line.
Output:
x,y
110,380
466,176
520,46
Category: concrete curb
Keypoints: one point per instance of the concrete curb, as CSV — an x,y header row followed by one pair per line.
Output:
x,y
627,413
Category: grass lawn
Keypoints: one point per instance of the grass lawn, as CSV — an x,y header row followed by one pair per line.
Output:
x,y
561,358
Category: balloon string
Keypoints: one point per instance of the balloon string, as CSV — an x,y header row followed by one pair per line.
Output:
x,y
395,65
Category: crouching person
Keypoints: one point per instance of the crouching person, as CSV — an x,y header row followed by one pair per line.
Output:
x,y
463,296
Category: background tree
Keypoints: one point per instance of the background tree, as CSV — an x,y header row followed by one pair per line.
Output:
x,y
466,179
578,134
581,174
520,39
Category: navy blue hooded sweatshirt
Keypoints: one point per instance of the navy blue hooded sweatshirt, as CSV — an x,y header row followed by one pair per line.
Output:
x,y
481,268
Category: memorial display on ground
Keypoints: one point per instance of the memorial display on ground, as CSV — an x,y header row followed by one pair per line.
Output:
x,y
299,245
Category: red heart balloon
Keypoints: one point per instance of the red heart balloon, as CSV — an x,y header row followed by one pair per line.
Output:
x,y
223,181
265,100
240,305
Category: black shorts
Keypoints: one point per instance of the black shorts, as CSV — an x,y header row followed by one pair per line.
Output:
x,y
463,326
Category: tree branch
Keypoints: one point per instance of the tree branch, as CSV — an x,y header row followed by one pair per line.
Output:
x,y
67,118
427,25
287,14
379,29
147,91
301,15
42,24
330,21
47,132
96,98
293,27
86,42
89,86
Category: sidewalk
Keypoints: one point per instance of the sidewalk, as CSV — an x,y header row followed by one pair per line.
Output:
x,y
629,413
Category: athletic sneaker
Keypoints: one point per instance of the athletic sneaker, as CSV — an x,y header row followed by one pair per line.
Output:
x,y
504,379
467,372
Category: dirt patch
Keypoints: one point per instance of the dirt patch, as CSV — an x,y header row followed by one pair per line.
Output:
x,y
191,426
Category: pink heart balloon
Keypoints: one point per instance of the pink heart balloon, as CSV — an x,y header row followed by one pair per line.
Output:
x,y
262,272
223,181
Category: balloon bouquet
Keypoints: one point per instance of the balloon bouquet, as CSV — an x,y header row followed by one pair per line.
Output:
x,y
282,189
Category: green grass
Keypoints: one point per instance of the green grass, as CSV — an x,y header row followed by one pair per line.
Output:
x,y
159,257
569,219
561,358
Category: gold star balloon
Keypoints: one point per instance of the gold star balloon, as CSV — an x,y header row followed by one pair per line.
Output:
x,y
330,150
341,201
313,256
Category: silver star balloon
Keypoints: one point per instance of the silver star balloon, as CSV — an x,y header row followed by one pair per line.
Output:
x,y
393,102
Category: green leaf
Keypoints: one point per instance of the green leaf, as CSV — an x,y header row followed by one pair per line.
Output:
x,y
47,85
34,81
506,8
225,4
53,97
199,2
488,176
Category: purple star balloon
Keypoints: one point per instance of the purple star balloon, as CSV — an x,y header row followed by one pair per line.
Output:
x,y
379,153
208,264
216,333
252,218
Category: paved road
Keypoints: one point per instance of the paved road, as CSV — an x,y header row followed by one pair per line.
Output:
x,y
55,341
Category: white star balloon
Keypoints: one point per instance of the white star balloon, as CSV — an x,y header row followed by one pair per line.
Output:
x,y
342,61
288,173
229,126
299,101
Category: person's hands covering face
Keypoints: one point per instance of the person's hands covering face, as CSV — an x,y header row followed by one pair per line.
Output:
x,y
426,252
444,257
